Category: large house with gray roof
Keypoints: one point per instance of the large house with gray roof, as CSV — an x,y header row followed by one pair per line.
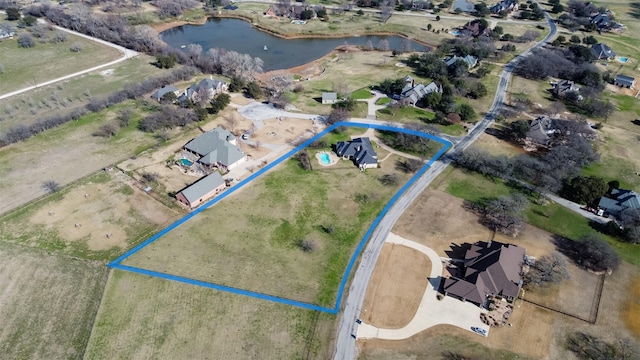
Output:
x,y
488,269
206,87
412,93
202,190
360,151
619,201
160,93
470,60
215,149
602,51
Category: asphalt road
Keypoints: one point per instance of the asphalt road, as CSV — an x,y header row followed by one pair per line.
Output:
x,y
346,342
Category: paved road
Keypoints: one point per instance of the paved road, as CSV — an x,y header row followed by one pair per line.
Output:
x,y
345,342
126,54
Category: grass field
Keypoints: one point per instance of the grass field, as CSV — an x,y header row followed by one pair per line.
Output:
x,y
96,218
46,61
71,153
26,108
48,303
259,227
143,317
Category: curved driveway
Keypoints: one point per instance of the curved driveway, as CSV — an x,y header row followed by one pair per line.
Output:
x,y
126,54
345,341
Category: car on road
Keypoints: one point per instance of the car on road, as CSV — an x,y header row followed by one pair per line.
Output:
x,y
478,330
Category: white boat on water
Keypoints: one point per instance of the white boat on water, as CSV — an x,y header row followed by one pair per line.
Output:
x,y
183,46
265,48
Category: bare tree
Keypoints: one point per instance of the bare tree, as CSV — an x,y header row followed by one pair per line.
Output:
x,y
76,47
389,179
383,45
341,87
307,245
231,120
386,9
504,214
51,186
279,82
547,271
409,165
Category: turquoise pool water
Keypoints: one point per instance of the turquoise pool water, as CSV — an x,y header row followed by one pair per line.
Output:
x,y
186,162
454,32
324,159
623,59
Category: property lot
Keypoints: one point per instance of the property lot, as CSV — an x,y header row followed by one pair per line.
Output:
x,y
251,240
149,318
96,218
25,67
439,221
48,303
64,154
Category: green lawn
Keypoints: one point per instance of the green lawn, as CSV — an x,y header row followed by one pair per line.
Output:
x,y
551,217
405,114
383,101
260,227
46,61
363,93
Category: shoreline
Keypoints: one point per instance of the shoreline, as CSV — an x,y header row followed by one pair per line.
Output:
x,y
170,25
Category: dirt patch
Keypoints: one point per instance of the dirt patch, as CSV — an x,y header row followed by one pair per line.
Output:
x,y
281,132
496,146
632,308
396,287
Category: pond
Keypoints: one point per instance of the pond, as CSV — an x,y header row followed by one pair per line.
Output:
x,y
277,53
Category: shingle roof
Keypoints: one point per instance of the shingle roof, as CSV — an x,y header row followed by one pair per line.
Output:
x,y
625,79
602,51
490,268
203,186
163,91
329,96
214,147
620,200
359,149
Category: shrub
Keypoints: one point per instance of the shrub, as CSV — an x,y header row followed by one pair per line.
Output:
x,y
76,47
26,41
106,130
51,186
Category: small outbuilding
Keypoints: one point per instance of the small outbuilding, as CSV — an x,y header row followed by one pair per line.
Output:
x,y
202,190
160,93
329,98
624,81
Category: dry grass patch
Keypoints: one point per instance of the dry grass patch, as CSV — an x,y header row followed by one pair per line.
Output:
x,y
632,308
496,146
396,287
251,239
96,218
142,317
48,303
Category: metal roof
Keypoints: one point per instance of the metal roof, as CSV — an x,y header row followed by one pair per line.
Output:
x,y
203,186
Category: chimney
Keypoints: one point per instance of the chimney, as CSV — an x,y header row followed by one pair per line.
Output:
x,y
489,243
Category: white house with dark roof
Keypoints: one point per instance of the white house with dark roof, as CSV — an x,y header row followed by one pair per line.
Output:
x,y
624,81
160,93
489,269
411,93
360,151
211,87
329,97
216,149
602,51
470,60
202,190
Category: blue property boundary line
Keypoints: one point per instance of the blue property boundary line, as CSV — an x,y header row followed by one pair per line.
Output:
x,y
116,264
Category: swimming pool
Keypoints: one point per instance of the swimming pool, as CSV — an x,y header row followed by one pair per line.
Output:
x,y
623,59
186,162
454,32
325,159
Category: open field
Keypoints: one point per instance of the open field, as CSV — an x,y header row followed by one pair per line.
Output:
x,y
439,221
143,317
350,23
64,96
396,287
96,218
496,146
46,61
48,303
64,154
260,227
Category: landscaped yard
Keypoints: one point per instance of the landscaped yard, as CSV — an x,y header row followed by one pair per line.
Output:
x,y
405,114
25,67
48,303
261,227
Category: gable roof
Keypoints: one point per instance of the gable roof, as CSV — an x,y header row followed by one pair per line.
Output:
x,y
602,51
540,129
620,200
624,79
491,268
414,93
329,96
359,149
213,147
464,5
564,86
203,186
470,60
163,91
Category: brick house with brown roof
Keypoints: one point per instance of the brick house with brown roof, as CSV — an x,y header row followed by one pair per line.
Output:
x,y
489,268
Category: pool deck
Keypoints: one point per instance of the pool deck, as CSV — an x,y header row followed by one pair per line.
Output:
x,y
333,158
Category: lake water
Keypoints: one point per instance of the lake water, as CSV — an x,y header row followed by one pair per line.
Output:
x,y
238,35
